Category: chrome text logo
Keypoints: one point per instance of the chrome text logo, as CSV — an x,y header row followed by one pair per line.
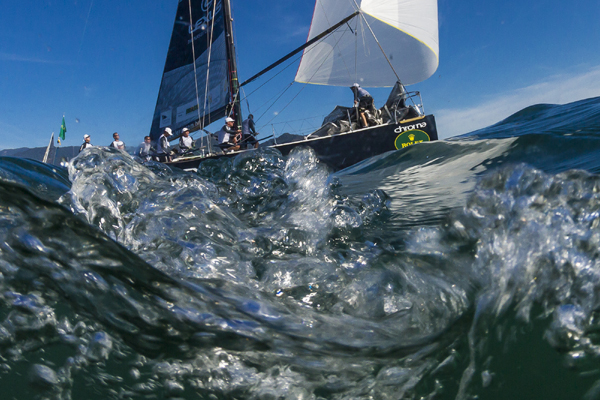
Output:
x,y
400,129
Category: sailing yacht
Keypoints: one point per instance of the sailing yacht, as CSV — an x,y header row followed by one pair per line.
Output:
x,y
377,43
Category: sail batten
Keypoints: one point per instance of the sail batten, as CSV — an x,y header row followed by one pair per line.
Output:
x,y
406,30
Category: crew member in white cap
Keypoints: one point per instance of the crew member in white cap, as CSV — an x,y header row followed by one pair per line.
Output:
x,y
163,152
86,143
228,136
185,141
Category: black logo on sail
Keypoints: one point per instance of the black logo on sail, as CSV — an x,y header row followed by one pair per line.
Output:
x,y
209,5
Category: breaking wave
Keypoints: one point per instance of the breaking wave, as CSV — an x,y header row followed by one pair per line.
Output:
x,y
455,269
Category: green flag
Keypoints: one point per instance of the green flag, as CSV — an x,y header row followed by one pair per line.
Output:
x,y
63,130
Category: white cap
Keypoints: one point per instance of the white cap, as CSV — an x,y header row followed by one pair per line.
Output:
x,y
168,130
356,85
86,136
185,130
229,119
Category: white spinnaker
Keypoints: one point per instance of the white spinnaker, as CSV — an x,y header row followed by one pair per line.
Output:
x,y
407,31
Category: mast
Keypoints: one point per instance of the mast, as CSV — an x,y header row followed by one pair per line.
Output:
x,y
233,77
45,160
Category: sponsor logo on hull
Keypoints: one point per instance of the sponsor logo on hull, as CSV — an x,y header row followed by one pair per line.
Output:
x,y
420,125
410,138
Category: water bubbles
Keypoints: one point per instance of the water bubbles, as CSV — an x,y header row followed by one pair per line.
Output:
x,y
567,327
486,378
43,376
260,275
100,347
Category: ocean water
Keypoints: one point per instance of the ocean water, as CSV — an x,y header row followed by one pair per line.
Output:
x,y
467,268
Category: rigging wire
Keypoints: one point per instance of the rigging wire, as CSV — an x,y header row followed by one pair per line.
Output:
x,y
303,87
194,59
356,50
245,98
298,120
274,76
355,32
330,24
356,57
321,36
236,96
206,87
293,62
195,66
85,28
379,44
275,101
290,85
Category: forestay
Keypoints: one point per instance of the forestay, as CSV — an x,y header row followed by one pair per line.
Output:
x,y
406,30
183,98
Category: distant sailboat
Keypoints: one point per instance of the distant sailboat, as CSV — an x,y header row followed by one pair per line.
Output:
x,y
377,43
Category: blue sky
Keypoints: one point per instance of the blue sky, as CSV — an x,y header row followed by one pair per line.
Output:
x,y
100,63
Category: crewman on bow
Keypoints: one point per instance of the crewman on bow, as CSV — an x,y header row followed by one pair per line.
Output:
x,y
363,102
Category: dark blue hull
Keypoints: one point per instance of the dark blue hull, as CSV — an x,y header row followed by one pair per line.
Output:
x,y
345,149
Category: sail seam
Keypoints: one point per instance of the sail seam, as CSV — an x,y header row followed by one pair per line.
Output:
x,y
380,47
337,43
300,91
325,59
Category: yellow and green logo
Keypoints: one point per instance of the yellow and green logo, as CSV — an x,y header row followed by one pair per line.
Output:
x,y
411,137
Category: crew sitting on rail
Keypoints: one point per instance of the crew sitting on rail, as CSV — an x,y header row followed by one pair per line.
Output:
x,y
145,150
86,143
185,141
228,136
364,102
117,143
249,132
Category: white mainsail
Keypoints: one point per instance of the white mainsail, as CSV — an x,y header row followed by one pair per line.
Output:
x,y
406,30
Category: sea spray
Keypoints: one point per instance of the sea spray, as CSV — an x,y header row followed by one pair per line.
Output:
x,y
458,269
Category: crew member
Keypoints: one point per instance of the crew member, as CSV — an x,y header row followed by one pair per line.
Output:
x,y
116,143
145,150
163,151
363,101
228,136
249,132
185,141
86,143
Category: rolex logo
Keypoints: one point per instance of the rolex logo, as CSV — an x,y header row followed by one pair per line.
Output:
x,y
411,137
